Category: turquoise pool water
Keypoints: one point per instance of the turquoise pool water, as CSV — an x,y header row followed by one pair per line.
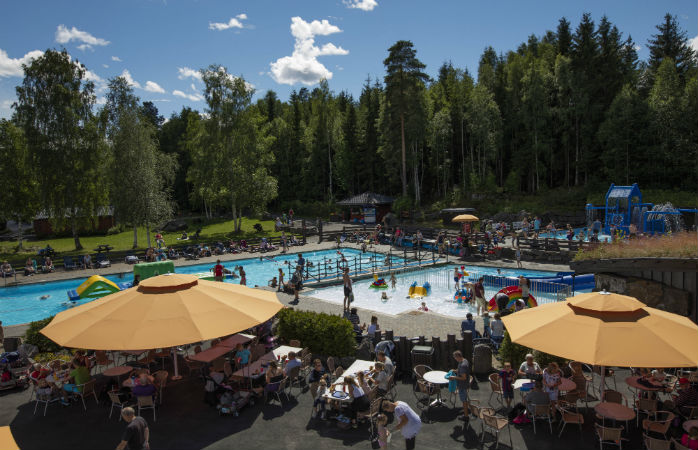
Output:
x,y
24,303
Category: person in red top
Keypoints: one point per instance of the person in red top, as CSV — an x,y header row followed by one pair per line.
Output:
x,y
290,216
218,271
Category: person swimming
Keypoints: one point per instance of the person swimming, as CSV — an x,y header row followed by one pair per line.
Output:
x,y
384,297
44,297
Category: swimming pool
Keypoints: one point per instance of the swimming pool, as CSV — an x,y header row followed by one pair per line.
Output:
x,y
442,290
23,303
562,234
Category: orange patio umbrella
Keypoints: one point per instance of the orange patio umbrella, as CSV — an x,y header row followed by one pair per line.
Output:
x,y
465,218
162,311
606,329
7,442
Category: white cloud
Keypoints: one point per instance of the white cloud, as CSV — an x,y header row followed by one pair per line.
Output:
x,y
192,97
186,72
129,79
637,47
234,22
193,87
65,35
12,67
152,86
106,66
365,5
693,43
101,101
302,66
116,58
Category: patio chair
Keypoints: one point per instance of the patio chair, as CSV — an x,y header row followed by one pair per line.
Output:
x,y
660,424
85,389
610,376
392,391
116,402
193,365
294,378
146,402
678,445
645,406
494,424
582,381
477,411
305,352
541,412
423,393
614,397
609,435
148,359
45,399
276,389
162,355
419,371
371,415
569,415
306,365
160,381
294,343
496,386
330,366
655,444
68,263
101,359
689,412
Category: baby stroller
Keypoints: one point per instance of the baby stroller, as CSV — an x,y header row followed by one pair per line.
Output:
x,y
230,403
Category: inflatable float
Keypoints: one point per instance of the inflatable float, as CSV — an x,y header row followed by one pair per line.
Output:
x,y
96,287
462,296
419,291
378,283
514,294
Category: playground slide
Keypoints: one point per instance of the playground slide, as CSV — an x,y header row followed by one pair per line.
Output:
x,y
419,291
585,281
95,287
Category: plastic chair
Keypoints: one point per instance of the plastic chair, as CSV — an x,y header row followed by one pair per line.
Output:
x,y
569,416
655,444
160,381
614,397
608,435
423,394
496,386
147,360
115,402
678,445
420,369
294,343
541,412
276,389
146,402
294,378
495,424
392,391
660,424
101,359
45,399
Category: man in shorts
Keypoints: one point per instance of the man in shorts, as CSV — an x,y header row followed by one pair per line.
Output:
x,y
479,293
348,291
462,378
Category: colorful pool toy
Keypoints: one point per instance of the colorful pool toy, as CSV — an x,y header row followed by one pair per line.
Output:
x,y
514,294
462,296
378,283
96,287
419,291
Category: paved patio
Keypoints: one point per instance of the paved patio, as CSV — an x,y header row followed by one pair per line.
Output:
x,y
186,422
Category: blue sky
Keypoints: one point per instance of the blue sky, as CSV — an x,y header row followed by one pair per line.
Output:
x,y
283,44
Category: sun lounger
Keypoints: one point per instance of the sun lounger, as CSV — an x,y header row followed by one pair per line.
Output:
x,y
101,261
68,263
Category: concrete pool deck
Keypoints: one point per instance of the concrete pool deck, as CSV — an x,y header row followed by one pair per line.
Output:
x,y
412,323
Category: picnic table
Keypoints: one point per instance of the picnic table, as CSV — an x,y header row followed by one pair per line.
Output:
x,y
212,353
104,248
255,370
357,366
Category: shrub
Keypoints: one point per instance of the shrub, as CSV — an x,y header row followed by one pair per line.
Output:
x,y
322,333
511,352
34,337
543,359
402,204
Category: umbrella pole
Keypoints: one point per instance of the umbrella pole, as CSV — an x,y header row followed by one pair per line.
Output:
x,y
603,382
176,375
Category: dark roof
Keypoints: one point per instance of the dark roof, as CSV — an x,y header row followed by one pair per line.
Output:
x,y
367,198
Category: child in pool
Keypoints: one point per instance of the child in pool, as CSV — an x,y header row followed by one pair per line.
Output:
x,y
393,280
384,297
423,307
456,278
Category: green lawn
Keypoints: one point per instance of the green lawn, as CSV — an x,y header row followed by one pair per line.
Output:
x,y
212,230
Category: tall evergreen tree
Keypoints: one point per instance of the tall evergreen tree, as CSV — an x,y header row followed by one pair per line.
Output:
x,y
671,43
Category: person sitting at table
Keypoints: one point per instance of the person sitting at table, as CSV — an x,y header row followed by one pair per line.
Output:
x,y
362,381
387,362
469,325
242,354
291,363
381,378
48,265
536,397
77,377
529,368
320,402
29,267
658,375
690,439
552,379
686,396
144,387
315,376
373,327
359,398
274,375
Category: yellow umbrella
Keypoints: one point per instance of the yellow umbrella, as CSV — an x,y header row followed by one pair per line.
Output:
x,y
607,329
162,311
465,218
7,442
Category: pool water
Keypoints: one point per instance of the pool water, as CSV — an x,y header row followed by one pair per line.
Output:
x,y
24,303
562,234
442,291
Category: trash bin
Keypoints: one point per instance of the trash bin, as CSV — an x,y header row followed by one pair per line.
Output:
x,y
422,354
482,359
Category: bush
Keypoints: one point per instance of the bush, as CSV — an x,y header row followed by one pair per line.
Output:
x,y
43,343
543,359
322,333
116,229
511,352
402,204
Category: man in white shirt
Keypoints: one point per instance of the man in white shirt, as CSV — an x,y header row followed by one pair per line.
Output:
x,y
408,422
291,363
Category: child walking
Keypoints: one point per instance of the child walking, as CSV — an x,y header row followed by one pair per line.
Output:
x,y
383,433
507,376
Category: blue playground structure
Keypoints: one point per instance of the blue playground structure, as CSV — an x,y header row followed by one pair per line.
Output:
x,y
624,207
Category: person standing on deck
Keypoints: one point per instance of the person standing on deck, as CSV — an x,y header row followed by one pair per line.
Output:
x,y
348,291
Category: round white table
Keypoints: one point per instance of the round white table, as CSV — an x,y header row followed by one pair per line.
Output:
x,y
519,384
437,378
